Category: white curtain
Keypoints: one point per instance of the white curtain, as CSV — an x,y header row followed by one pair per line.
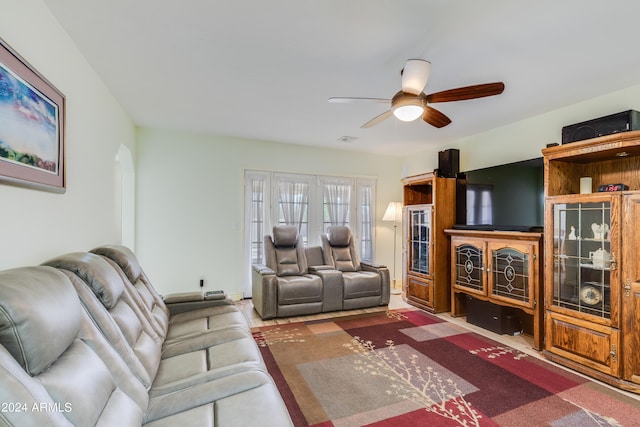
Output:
x,y
293,199
337,198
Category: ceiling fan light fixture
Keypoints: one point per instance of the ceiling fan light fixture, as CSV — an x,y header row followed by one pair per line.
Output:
x,y
408,113
407,107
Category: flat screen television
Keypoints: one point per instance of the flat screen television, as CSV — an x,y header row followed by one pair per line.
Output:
x,y
504,197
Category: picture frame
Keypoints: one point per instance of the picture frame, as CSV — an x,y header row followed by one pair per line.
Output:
x,y
32,126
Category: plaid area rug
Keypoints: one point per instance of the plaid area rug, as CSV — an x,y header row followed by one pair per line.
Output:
x,y
409,368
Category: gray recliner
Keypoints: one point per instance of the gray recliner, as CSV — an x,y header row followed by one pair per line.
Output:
x,y
60,366
364,284
283,287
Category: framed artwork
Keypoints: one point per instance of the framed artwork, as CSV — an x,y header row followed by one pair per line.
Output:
x,y
31,126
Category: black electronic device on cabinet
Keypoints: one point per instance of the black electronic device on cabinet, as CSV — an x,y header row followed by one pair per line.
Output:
x,y
615,123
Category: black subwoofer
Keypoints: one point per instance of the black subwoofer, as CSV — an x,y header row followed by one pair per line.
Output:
x,y
494,317
607,125
449,163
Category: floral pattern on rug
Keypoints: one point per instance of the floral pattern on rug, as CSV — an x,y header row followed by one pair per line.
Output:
x,y
409,380
498,351
409,368
276,335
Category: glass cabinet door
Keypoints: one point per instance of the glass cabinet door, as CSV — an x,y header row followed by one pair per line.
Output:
x,y
510,272
469,265
583,257
419,223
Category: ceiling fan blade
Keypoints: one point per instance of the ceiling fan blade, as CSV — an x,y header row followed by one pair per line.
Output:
x,y
467,92
382,117
339,100
435,117
415,75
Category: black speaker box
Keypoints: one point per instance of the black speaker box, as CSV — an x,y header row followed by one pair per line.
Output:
x,y
449,163
607,125
494,317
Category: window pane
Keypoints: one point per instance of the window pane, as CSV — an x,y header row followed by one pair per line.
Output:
x,y
293,205
336,205
366,222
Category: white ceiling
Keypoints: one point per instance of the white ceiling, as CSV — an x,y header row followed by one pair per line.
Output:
x,y
264,69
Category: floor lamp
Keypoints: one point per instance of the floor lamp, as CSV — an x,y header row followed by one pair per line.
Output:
x,y
394,213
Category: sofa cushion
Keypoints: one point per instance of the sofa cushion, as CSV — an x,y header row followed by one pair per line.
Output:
x,y
27,324
124,257
339,249
361,284
287,260
285,236
299,289
339,236
96,272
343,260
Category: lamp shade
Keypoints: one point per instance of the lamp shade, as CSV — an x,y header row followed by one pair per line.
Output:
x,y
393,212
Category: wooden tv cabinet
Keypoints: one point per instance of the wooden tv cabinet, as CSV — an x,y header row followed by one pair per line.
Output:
x,y
501,267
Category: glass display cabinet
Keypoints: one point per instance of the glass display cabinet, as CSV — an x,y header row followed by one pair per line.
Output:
x,y
419,219
592,250
429,207
583,257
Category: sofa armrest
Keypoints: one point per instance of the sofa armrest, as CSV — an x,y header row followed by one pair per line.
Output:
x,y
181,307
332,288
372,265
263,270
264,291
183,297
188,301
385,277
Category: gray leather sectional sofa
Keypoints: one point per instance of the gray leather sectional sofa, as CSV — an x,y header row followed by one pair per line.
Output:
x,y
85,340
298,280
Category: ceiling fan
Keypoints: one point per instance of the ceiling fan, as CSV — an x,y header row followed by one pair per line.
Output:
x,y
411,102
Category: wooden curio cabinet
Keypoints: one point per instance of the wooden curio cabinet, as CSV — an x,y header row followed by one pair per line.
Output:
x,y
592,258
429,208
501,267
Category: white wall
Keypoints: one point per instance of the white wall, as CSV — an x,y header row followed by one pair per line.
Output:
x,y
190,207
525,139
37,225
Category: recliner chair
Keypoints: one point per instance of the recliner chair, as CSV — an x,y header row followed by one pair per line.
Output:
x,y
283,287
364,284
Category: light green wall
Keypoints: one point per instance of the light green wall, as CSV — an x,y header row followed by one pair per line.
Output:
x,y
525,139
190,206
190,187
37,225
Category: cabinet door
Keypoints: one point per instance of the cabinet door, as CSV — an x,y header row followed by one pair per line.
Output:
x,y
420,240
469,265
584,257
630,292
420,291
587,343
511,272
